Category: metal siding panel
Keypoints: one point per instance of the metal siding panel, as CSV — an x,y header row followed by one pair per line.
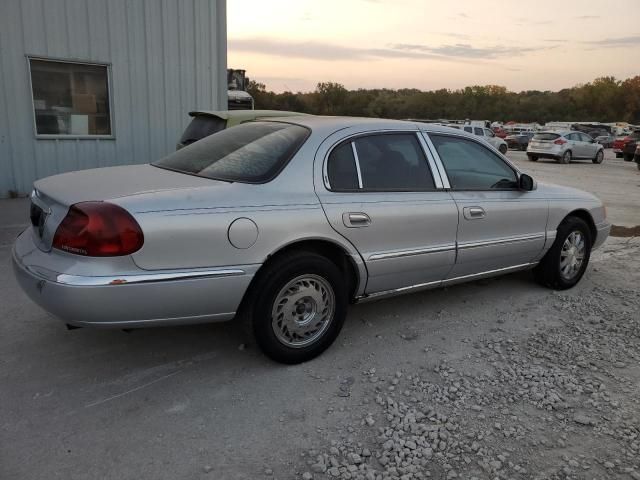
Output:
x,y
122,95
7,176
56,33
34,27
17,97
202,48
77,27
98,24
156,97
138,81
187,60
175,117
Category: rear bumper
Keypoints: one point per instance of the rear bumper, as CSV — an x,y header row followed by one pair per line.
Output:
x,y
135,299
542,154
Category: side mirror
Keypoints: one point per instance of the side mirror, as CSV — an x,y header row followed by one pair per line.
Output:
x,y
526,182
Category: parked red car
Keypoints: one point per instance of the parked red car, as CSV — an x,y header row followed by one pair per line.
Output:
x,y
625,146
500,132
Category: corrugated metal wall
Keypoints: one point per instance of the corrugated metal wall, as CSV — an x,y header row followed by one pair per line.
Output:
x,y
167,57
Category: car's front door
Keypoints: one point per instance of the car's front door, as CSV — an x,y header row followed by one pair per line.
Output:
x,y
577,146
590,147
500,226
379,192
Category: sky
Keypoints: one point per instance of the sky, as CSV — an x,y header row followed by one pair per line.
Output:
x,y
431,44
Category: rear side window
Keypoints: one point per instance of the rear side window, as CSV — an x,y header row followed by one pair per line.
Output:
x,y
478,131
546,136
468,129
201,126
250,153
387,162
471,166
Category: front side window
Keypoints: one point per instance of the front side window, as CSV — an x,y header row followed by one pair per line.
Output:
x,y
70,98
488,133
471,166
250,153
386,162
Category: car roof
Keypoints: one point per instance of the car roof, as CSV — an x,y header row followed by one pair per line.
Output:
x,y
329,124
243,114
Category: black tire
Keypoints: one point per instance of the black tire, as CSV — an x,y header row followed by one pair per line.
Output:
x,y
267,287
565,158
618,155
627,157
502,149
599,157
523,147
533,158
638,164
548,272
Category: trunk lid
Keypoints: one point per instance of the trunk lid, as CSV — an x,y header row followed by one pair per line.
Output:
x,y
52,196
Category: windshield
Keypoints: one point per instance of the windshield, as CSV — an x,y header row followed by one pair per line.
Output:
x,y
252,153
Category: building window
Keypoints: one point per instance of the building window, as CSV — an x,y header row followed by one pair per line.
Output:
x,y
70,99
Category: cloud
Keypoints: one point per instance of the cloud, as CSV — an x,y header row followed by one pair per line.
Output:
x,y
616,42
463,50
324,51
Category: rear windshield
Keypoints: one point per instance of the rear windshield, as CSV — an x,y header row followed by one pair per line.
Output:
x,y
546,136
251,153
200,127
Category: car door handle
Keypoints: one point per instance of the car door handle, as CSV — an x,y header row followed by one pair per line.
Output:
x,y
473,213
356,219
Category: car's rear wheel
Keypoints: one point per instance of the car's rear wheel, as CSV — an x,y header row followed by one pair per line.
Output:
x,y
523,147
299,308
565,158
567,259
533,158
599,157
618,155
627,157
502,149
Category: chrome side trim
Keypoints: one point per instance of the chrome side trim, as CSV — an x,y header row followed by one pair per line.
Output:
x,y
357,160
500,241
490,272
432,164
103,281
437,283
415,251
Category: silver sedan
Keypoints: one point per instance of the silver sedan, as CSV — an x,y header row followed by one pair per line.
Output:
x,y
283,223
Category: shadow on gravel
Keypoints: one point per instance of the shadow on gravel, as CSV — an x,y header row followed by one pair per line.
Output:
x,y
620,231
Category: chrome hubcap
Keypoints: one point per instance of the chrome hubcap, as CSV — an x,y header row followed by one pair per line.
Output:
x,y
572,255
303,310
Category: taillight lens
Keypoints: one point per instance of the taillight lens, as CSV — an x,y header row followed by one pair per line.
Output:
x,y
560,141
98,229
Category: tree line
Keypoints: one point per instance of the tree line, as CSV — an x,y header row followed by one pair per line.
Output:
x,y
605,99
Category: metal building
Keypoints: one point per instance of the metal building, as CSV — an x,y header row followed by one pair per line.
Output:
x,y
91,83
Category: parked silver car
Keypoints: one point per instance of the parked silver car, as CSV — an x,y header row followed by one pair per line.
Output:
x,y
564,147
282,223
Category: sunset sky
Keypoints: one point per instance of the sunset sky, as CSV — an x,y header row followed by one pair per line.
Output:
x,y
541,44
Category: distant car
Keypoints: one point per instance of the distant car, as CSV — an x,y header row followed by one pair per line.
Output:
x,y
620,146
206,122
564,147
629,146
488,135
500,132
605,140
282,223
519,141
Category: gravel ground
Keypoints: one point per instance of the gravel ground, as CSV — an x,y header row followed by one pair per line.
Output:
x,y
546,389
494,379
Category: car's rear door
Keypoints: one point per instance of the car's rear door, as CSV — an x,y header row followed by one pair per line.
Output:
x,y
381,192
500,227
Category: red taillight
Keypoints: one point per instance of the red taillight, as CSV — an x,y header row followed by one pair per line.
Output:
x,y
560,141
98,229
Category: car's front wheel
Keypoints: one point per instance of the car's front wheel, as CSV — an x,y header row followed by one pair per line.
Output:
x,y
567,259
533,158
503,149
599,157
300,306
